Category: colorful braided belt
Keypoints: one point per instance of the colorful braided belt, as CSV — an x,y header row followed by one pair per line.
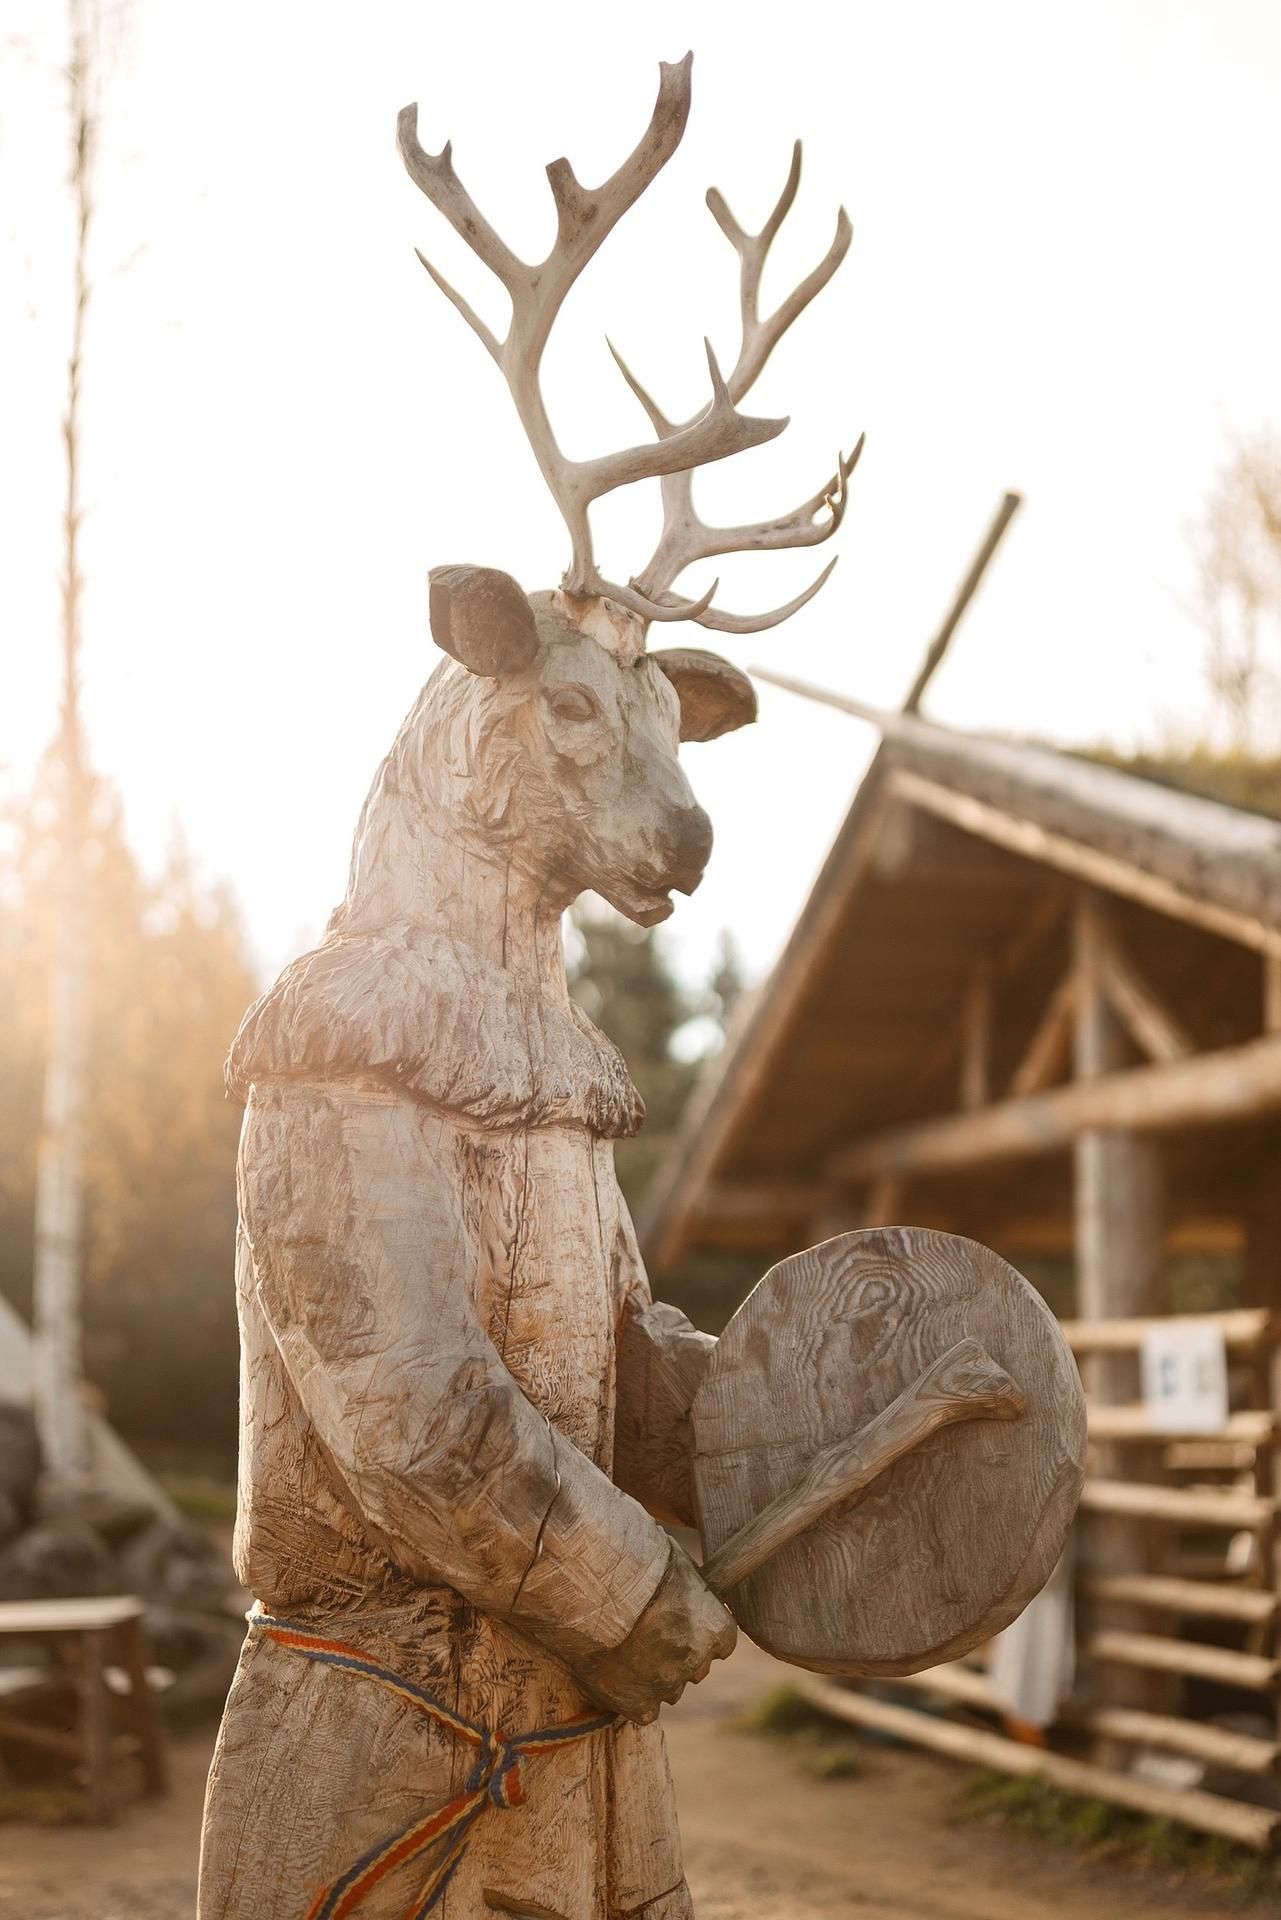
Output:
x,y
494,1781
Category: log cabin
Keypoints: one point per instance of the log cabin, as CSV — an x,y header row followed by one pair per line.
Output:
x,y
1035,999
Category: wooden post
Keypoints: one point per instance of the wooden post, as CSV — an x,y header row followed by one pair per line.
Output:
x,y
1261,1287
976,1041
1272,992
1119,1251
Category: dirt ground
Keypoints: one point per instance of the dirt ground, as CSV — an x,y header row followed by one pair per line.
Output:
x,y
764,1840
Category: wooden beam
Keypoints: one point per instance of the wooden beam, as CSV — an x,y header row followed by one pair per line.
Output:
x,y
1086,863
1188,1657
1137,1422
1051,1038
1235,1083
1217,1746
1272,992
1204,1599
976,1042
1244,1329
1211,1812
1009,506
1179,1506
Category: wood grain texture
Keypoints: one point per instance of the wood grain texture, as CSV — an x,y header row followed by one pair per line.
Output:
x,y
441,1308
963,1385
949,1544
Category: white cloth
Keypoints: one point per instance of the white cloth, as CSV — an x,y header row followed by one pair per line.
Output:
x,y
1032,1664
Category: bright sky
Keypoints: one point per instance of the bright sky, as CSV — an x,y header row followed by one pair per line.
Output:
x,y
1064,279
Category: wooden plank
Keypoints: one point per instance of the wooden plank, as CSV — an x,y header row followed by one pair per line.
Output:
x,y
1010,504
1152,1650
1211,1599
68,1616
141,1708
976,1042
1209,1812
1272,993
1051,1038
1235,1083
1188,1506
95,1724
1243,1329
1217,1746
1135,1421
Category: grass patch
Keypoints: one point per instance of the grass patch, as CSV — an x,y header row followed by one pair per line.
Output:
x,y
43,1806
200,1498
819,1749
1106,1832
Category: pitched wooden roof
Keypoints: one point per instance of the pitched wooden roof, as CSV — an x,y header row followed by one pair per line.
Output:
x,y
960,852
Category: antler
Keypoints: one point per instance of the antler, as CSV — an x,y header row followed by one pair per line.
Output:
x,y
685,537
585,216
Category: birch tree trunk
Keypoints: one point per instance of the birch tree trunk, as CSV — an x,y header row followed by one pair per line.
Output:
x,y
59,1181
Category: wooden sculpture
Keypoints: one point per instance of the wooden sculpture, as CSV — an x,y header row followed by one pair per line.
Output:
x,y
463,1418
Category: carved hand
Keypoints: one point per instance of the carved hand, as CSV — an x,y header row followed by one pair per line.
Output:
x,y
675,1640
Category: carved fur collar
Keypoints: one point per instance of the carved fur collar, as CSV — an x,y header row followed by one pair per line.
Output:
x,y
420,1010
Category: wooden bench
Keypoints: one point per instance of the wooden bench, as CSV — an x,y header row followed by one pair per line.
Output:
x,y
107,1633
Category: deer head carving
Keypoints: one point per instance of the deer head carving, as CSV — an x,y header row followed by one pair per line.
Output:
x,y
552,737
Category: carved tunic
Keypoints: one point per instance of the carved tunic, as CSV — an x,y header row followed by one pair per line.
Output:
x,y
433,1310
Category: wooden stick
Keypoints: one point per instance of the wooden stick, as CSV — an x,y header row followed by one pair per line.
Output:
x,y
1250,1670
1217,1746
1010,504
1272,993
1197,1506
1234,1083
1243,1329
976,1041
1211,1812
1251,1427
964,1385
1211,1599
1051,1038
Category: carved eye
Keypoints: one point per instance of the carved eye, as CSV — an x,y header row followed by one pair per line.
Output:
x,y
574,704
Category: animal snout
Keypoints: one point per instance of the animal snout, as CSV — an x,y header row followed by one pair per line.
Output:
x,y
691,844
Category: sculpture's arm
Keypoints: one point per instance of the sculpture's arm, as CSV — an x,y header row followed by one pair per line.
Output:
x,y
363,1264
661,1360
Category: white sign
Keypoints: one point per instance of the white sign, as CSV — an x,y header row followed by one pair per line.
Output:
x,y
1185,1377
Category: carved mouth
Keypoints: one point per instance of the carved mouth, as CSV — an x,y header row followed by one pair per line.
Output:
x,y
644,905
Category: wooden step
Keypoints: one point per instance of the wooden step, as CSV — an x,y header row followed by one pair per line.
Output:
x,y
1186,1657
1191,1506
1135,1421
1209,1599
1210,1812
1243,1329
1217,1746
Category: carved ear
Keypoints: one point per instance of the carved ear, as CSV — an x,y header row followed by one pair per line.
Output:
x,y
481,617
715,697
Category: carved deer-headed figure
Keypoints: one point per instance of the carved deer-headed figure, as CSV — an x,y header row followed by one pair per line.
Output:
x,y
462,1415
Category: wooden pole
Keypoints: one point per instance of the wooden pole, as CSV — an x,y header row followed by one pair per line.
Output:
x,y
1120,1247
1211,1089
933,660
1212,1812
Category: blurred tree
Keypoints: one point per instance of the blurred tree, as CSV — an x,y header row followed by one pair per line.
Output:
x,y
620,977
168,980
1239,565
